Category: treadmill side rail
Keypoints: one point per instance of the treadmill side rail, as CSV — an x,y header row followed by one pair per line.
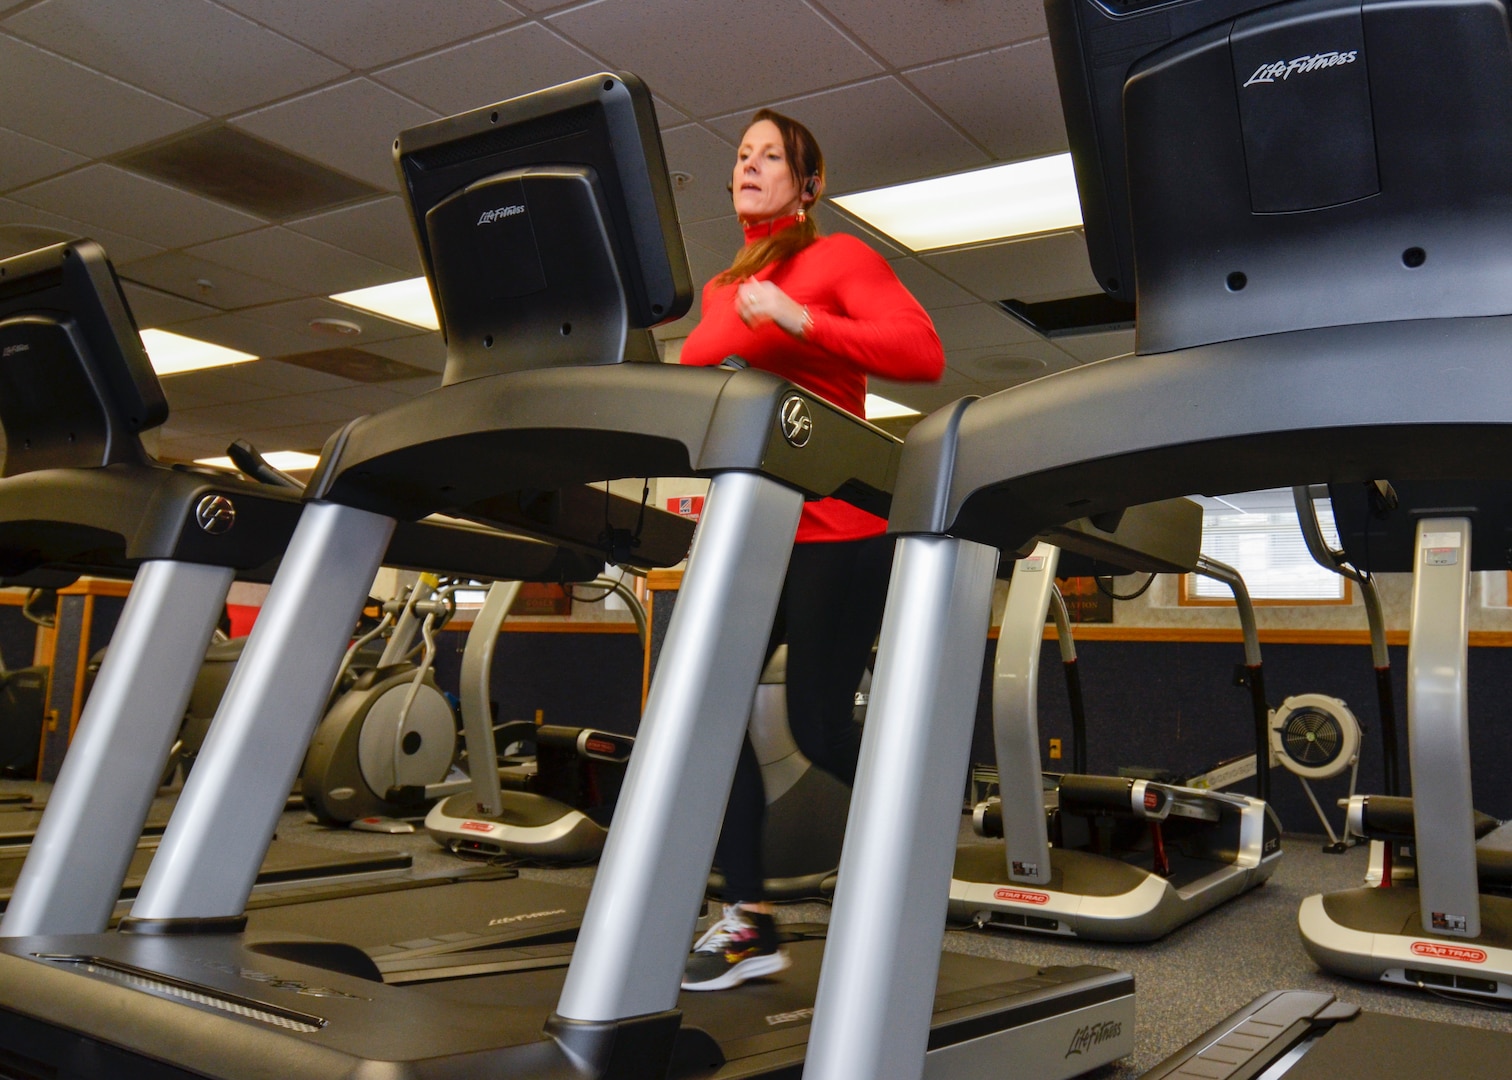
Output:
x,y
871,1015
229,809
639,924
1438,729
73,874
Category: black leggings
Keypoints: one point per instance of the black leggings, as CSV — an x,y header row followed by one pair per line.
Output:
x,y
829,614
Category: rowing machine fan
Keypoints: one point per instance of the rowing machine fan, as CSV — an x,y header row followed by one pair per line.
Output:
x,y
1314,736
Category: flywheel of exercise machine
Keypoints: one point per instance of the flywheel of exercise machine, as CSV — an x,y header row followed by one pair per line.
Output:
x,y
1314,736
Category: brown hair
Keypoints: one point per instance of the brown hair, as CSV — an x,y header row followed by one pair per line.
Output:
x,y
806,163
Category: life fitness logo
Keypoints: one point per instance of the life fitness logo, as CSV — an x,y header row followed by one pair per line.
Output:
x,y
477,826
1019,896
1448,952
1281,70
797,425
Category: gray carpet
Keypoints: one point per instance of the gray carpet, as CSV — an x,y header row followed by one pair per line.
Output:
x,y
1186,982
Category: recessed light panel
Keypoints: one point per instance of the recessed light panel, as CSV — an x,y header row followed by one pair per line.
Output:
x,y
879,408
1020,199
285,460
403,301
173,353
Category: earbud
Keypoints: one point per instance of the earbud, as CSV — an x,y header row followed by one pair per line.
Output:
x,y
811,188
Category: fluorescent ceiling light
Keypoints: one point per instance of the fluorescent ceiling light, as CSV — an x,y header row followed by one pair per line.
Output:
x,y
404,301
1025,197
286,460
172,353
879,408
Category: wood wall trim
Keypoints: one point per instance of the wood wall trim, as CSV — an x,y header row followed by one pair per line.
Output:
x,y
96,587
663,580
1492,639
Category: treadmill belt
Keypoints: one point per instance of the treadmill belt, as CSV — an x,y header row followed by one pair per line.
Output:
x,y
1401,1048
286,862
19,827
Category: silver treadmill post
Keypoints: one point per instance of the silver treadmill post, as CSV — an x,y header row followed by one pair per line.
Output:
x,y
1015,718
476,681
638,927
1438,730
225,818
877,985
73,874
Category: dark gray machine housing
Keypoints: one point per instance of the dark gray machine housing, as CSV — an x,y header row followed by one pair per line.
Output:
x,y
1238,159
480,174
1379,536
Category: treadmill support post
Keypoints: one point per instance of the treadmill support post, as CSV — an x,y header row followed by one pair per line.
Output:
x,y
226,816
1438,729
638,927
476,679
89,831
876,989
1015,719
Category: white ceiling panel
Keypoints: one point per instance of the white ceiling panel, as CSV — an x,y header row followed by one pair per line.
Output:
x,y
153,307
914,142
366,33
277,377
667,116
299,262
834,220
1006,99
361,399
203,281
490,69
918,31
379,230
931,289
708,161
350,126
216,386
998,367
296,316
720,236
424,350
307,437
702,56
248,336
978,326
23,228
1089,347
234,63
148,209
63,103
24,159
1040,268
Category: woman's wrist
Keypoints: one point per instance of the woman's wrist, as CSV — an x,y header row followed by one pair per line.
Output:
x,y
805,324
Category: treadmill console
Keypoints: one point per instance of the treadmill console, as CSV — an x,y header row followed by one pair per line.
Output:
x,y
1249,168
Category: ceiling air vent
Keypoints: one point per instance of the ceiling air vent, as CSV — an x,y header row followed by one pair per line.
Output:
x,y
1074,315
356,364
230,166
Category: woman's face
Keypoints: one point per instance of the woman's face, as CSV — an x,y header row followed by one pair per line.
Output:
x,y
763,184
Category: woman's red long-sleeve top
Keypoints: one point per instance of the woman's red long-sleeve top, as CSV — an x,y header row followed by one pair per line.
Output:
x,y
863,322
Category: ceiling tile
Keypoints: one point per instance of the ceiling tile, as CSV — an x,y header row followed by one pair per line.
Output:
x,y
60,102
708,161
998,367
926,397
1089,347
977,326
720,236
297,261
699,56
172,447
350,126
24,159
234,332
215,386
490,69
277,377
545,5
667,116
307,437
916,31
231,420
380,230
296,316
233,64
203,281
1039,268
366,33
153,307
833,219
360,400
931,289
135,205
1007,99
914,142
424,350
24,228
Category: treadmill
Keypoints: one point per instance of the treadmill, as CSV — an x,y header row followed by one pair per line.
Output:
x,y
1443,927
1132,859
1319,301
531,401
80,494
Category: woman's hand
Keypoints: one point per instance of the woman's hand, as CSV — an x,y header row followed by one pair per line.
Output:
x,y
761,302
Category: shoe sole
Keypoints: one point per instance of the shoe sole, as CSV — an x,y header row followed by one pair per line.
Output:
x,y
754,968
